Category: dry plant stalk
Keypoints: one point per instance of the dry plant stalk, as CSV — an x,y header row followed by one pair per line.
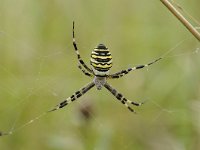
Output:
x,y
181,18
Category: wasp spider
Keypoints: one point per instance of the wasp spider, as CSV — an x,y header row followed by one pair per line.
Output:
x,y
101,62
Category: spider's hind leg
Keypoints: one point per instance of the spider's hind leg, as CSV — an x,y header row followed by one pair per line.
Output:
x,y
78,54
85,71
124,72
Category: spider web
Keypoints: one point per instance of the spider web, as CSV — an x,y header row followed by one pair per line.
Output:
x,y
22,101
86,115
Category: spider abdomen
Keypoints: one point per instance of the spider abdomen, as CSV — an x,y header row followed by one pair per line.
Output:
x,y
101,60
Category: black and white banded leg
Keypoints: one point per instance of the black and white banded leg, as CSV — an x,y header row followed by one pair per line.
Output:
x,y
121,98
75,96
84,71
78,54
124,72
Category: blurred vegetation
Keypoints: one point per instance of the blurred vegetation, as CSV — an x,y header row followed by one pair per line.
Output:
x,y
38,69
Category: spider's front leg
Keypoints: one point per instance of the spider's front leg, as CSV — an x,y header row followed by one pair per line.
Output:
x,y
75,96
124,72
121,98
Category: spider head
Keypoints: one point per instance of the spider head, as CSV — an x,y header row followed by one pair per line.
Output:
x,y
101,60
99,82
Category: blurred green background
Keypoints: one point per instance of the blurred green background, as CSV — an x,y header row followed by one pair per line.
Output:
x,y
38,69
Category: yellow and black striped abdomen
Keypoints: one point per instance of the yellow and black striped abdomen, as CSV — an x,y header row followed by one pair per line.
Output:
x,y
101,60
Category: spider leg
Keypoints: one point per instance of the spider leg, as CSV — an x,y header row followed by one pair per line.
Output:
x,y
74,96
84,71
124,72
78,54
121,98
